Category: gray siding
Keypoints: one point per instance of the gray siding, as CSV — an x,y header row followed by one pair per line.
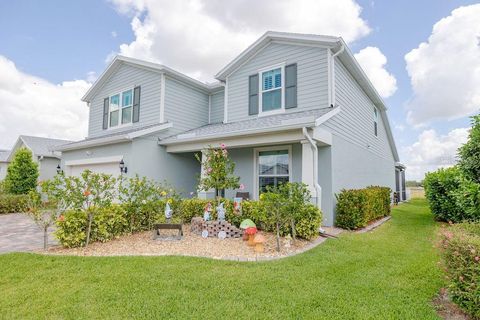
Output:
x,y
127,77
217,106
47,168
3,170
185,106
144,157
355,122
312,78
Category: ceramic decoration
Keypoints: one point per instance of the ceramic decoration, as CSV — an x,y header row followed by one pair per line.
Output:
x,y
168,211
204,234
222,235
220,212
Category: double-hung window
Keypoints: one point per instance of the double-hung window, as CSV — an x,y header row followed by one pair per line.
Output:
x,y
121,106
272,90
273,168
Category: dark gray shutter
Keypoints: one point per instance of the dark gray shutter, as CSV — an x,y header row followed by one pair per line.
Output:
x,y
291,86
136,104
253,94
106,104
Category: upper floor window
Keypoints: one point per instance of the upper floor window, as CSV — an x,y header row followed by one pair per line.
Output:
x,y
271,90
121,108
375,121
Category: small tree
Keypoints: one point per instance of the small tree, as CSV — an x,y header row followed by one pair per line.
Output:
x,y
42,213
218,171
274,202
295,195
22,173
469,153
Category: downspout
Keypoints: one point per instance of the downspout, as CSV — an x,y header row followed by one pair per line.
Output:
x,y
332,61
318,188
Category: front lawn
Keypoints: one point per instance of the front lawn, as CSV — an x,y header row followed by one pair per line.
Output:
x,y
389,273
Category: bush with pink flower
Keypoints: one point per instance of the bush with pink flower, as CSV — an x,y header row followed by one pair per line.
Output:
x,y
218,170
460,246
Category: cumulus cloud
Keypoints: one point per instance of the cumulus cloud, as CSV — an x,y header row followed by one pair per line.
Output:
x,y
373,62
445,70
199,37
33,106
432,151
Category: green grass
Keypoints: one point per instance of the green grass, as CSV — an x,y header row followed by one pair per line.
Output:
x,y
390,273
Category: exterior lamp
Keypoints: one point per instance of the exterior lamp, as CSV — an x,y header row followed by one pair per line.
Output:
x,y
59,169
123,168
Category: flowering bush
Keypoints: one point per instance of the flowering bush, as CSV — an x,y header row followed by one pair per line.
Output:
x,y
218,170
11,203
461,258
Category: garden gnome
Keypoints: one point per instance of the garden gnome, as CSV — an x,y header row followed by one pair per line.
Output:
x,y
206,212
168,212
220,212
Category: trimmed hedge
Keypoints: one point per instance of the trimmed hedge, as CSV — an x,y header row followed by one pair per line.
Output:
x,y
461,257
357,207
12,203
440,187
118,219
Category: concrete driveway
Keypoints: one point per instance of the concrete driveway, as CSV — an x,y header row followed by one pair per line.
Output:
x,y
19,233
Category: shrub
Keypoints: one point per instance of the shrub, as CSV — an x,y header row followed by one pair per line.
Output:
x,y
11,203
22,173
308,222
357,207
71,229
440,187
461,257
467,201
469,153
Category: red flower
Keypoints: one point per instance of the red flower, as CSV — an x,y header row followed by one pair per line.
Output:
x,y
61,218
86,193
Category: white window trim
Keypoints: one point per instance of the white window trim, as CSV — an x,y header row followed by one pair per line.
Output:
x,y
120,110
256,152
262,113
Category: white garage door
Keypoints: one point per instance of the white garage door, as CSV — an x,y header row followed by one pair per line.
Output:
x,y
108,168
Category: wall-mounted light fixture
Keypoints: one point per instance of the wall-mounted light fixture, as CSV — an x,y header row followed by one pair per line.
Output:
x,y
59,169
123,168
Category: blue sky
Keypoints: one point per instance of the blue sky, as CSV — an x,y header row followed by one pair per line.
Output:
x,y
64,45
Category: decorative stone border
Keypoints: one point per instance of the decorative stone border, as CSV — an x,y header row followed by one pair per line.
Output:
x,y
374,225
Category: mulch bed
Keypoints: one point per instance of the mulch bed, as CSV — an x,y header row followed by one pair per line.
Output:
x,y
448,310
190,245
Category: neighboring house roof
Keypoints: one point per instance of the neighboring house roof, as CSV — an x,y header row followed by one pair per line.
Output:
x,y
39,146
119,60
4,155
284,121
117,137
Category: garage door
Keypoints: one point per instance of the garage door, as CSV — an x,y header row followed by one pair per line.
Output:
x,y
108,168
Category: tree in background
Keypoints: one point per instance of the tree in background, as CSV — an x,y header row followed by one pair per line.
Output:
x,y
469,153
22,173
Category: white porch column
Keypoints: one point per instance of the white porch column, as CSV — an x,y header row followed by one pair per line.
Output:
x,y
307,168
210,194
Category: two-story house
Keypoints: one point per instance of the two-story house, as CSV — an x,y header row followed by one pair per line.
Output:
x,y
291,107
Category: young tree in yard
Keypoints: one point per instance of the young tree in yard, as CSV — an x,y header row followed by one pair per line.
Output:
x,y
295,195
274,202
42,213
218,171
22,173
469,153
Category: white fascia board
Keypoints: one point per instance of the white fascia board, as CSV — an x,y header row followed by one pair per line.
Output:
x,y
98,160
162,97
93,143
144,132
327,116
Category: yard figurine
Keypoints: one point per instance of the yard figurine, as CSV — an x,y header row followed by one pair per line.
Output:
x,y
206,212
220,212
251,231
168,212
259,241
287,242
244,225
237,206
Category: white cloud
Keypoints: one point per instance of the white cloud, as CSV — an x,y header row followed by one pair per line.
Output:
x,y
373,62
33,106
432,151
445,70
199,36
